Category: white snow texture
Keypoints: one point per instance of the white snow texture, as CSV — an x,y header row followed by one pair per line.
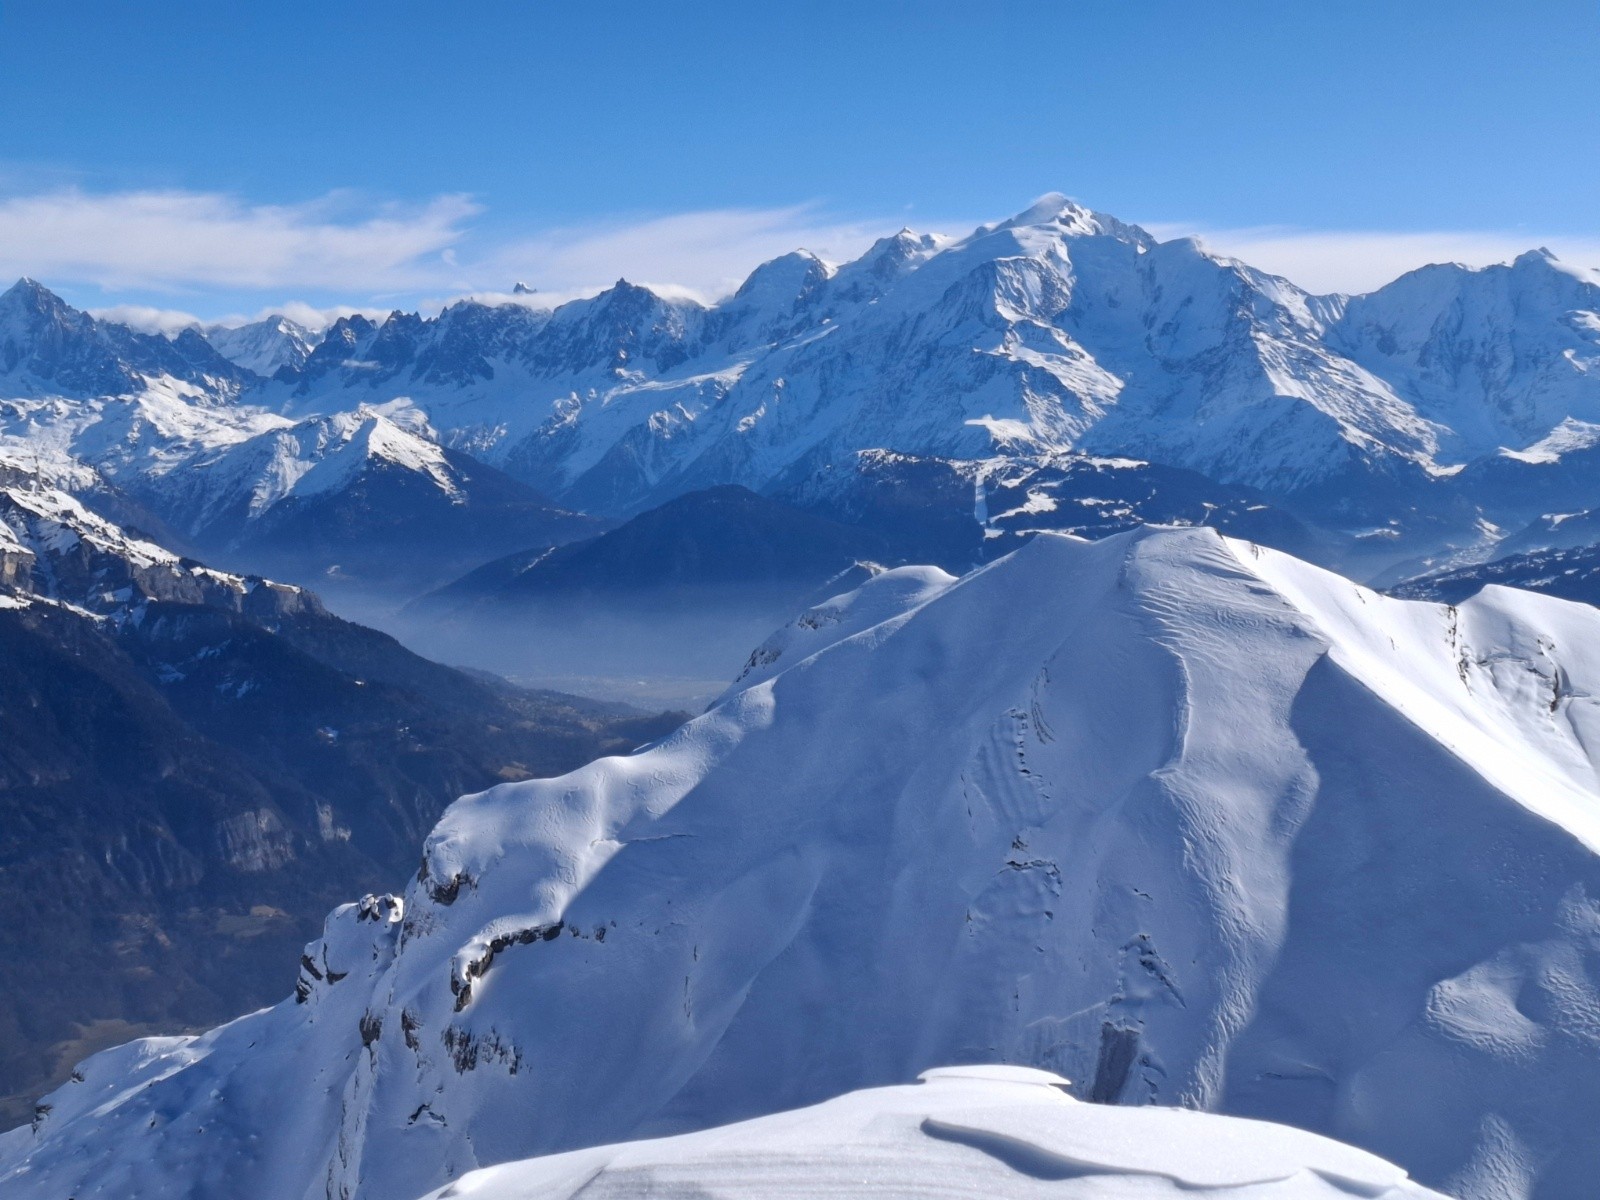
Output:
x,y
961,1131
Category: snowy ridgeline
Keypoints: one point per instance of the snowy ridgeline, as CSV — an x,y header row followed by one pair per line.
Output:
x,y
1060,329
969,1131
1185,821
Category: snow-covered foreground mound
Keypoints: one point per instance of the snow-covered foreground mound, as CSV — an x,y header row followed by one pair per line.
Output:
x,y
1003,1132
1187,821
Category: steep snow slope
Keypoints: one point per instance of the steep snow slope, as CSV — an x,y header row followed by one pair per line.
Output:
x,y
960,1131
264,347
1184,820
1499,355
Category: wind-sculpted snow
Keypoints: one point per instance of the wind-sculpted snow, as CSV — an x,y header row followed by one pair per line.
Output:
x,y
1183,820
1005,1132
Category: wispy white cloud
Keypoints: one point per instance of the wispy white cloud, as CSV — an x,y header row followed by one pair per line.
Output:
x,y
203,244
188,241
1356,261
145,319
172,321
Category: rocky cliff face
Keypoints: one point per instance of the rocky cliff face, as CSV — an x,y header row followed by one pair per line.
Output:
x,y
48,347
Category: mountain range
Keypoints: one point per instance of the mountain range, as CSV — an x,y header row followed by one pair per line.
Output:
x,y
1444,411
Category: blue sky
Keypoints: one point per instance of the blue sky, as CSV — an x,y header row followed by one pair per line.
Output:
x,y
221,158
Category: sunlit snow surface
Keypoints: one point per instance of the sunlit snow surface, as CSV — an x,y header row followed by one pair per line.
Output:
x,y
1188,822
1003,1132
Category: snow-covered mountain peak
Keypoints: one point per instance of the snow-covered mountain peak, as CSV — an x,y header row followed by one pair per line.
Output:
x,y
30,296
1201,825
886,260
1054,209
29,311
1542,260
318,455
264,347
784,281
370,435
1496,355
49,348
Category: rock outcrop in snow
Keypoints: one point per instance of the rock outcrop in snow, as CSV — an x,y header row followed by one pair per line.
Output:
x,y
1187,821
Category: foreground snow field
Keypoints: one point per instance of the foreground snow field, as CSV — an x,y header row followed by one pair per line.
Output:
x,y
1187,821
1004,1132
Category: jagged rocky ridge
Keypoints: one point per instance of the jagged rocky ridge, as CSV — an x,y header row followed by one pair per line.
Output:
x,y
1182,819
194,765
